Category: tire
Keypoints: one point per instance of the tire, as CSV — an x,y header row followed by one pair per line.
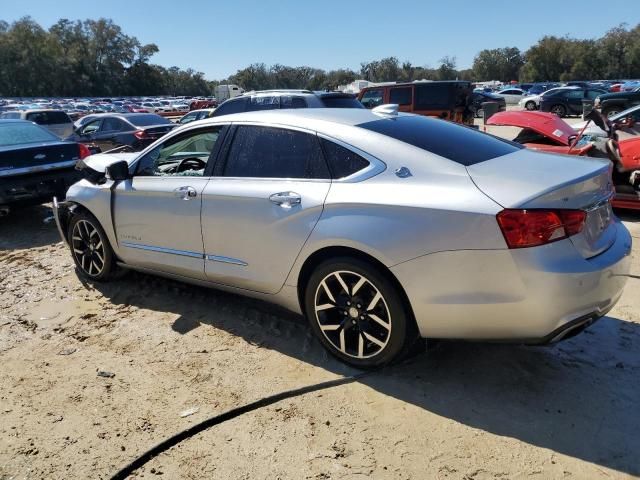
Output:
x,y
479,113
530,105
611,111
366,324
558,110
90,248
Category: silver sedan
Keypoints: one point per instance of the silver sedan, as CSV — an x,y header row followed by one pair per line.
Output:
x,y
379,227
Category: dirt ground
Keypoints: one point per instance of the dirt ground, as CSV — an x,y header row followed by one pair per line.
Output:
x,y
180,354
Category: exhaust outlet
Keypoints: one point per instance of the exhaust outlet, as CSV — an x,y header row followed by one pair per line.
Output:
x,y
4,211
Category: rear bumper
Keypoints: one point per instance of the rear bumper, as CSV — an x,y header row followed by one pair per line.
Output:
x,y
33,189
531,295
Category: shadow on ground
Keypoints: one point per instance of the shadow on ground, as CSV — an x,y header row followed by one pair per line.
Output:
x,y
31,220
579,398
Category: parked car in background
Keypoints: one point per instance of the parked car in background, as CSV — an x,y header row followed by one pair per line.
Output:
x,y
511,95
593,130
481,97
449,100
134,130
35,165
376,208
201,104
610,104
286,99
56,121
135,108
564,102
194,115
532,102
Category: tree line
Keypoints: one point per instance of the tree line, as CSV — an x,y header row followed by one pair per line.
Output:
x,y
96,58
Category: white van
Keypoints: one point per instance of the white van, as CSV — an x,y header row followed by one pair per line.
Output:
x,y
56,121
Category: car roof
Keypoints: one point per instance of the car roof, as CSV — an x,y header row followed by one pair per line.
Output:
x,y
303,117
14,120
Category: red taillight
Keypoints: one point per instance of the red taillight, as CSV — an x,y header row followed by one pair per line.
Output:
x,y
83,151
529,228
140,134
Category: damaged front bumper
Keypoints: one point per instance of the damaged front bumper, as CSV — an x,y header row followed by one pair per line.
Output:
x,y
61,211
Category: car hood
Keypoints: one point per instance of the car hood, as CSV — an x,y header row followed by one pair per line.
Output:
x,y
543,123
101,161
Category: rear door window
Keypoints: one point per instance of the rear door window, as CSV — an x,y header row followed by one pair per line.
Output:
x,y
266,152
433,96
400,95
112,125
264,103
288,101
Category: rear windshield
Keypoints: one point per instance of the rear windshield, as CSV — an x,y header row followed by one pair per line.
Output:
x,y
460,144
19,133
48,118
231,106
144,120
341,102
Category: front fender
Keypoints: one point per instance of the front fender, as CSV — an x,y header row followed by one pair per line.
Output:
x,y
96,199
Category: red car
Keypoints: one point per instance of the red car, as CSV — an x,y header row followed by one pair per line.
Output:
x,y
548,133
133,108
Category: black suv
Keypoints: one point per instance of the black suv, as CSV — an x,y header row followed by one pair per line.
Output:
x,y
611,104
279,99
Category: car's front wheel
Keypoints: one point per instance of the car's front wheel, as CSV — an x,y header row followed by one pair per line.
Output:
x,y
530,105
90,247
358,313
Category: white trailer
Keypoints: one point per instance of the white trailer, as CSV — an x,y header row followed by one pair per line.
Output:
x,y
225,92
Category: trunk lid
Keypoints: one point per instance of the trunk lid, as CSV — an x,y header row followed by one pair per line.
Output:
x,y
531,180
154,132
545,124
31,158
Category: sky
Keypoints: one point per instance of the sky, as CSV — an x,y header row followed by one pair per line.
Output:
x,y
219,38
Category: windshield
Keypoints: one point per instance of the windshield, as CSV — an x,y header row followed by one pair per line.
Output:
x,y
20,133
463,145
145,120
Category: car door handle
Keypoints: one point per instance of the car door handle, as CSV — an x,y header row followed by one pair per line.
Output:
x,y
185,193
286,199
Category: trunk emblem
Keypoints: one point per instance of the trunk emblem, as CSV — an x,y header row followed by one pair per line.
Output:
x,y
40,156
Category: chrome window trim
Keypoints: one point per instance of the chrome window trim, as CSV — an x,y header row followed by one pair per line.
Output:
x,y
37,168
171,251
221,259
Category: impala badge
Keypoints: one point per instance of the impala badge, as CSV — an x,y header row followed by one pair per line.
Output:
x,y
40,156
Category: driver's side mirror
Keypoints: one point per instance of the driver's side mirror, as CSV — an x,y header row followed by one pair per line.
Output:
x,y
118,171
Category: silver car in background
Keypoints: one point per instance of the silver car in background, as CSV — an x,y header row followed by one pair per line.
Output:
x,y
379,227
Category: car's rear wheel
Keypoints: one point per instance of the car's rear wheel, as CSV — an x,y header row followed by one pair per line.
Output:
x,y
530,105
611,111
559,110
479,112
358,313
90,247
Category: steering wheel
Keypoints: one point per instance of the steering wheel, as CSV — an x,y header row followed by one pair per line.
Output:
x,y
191,163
